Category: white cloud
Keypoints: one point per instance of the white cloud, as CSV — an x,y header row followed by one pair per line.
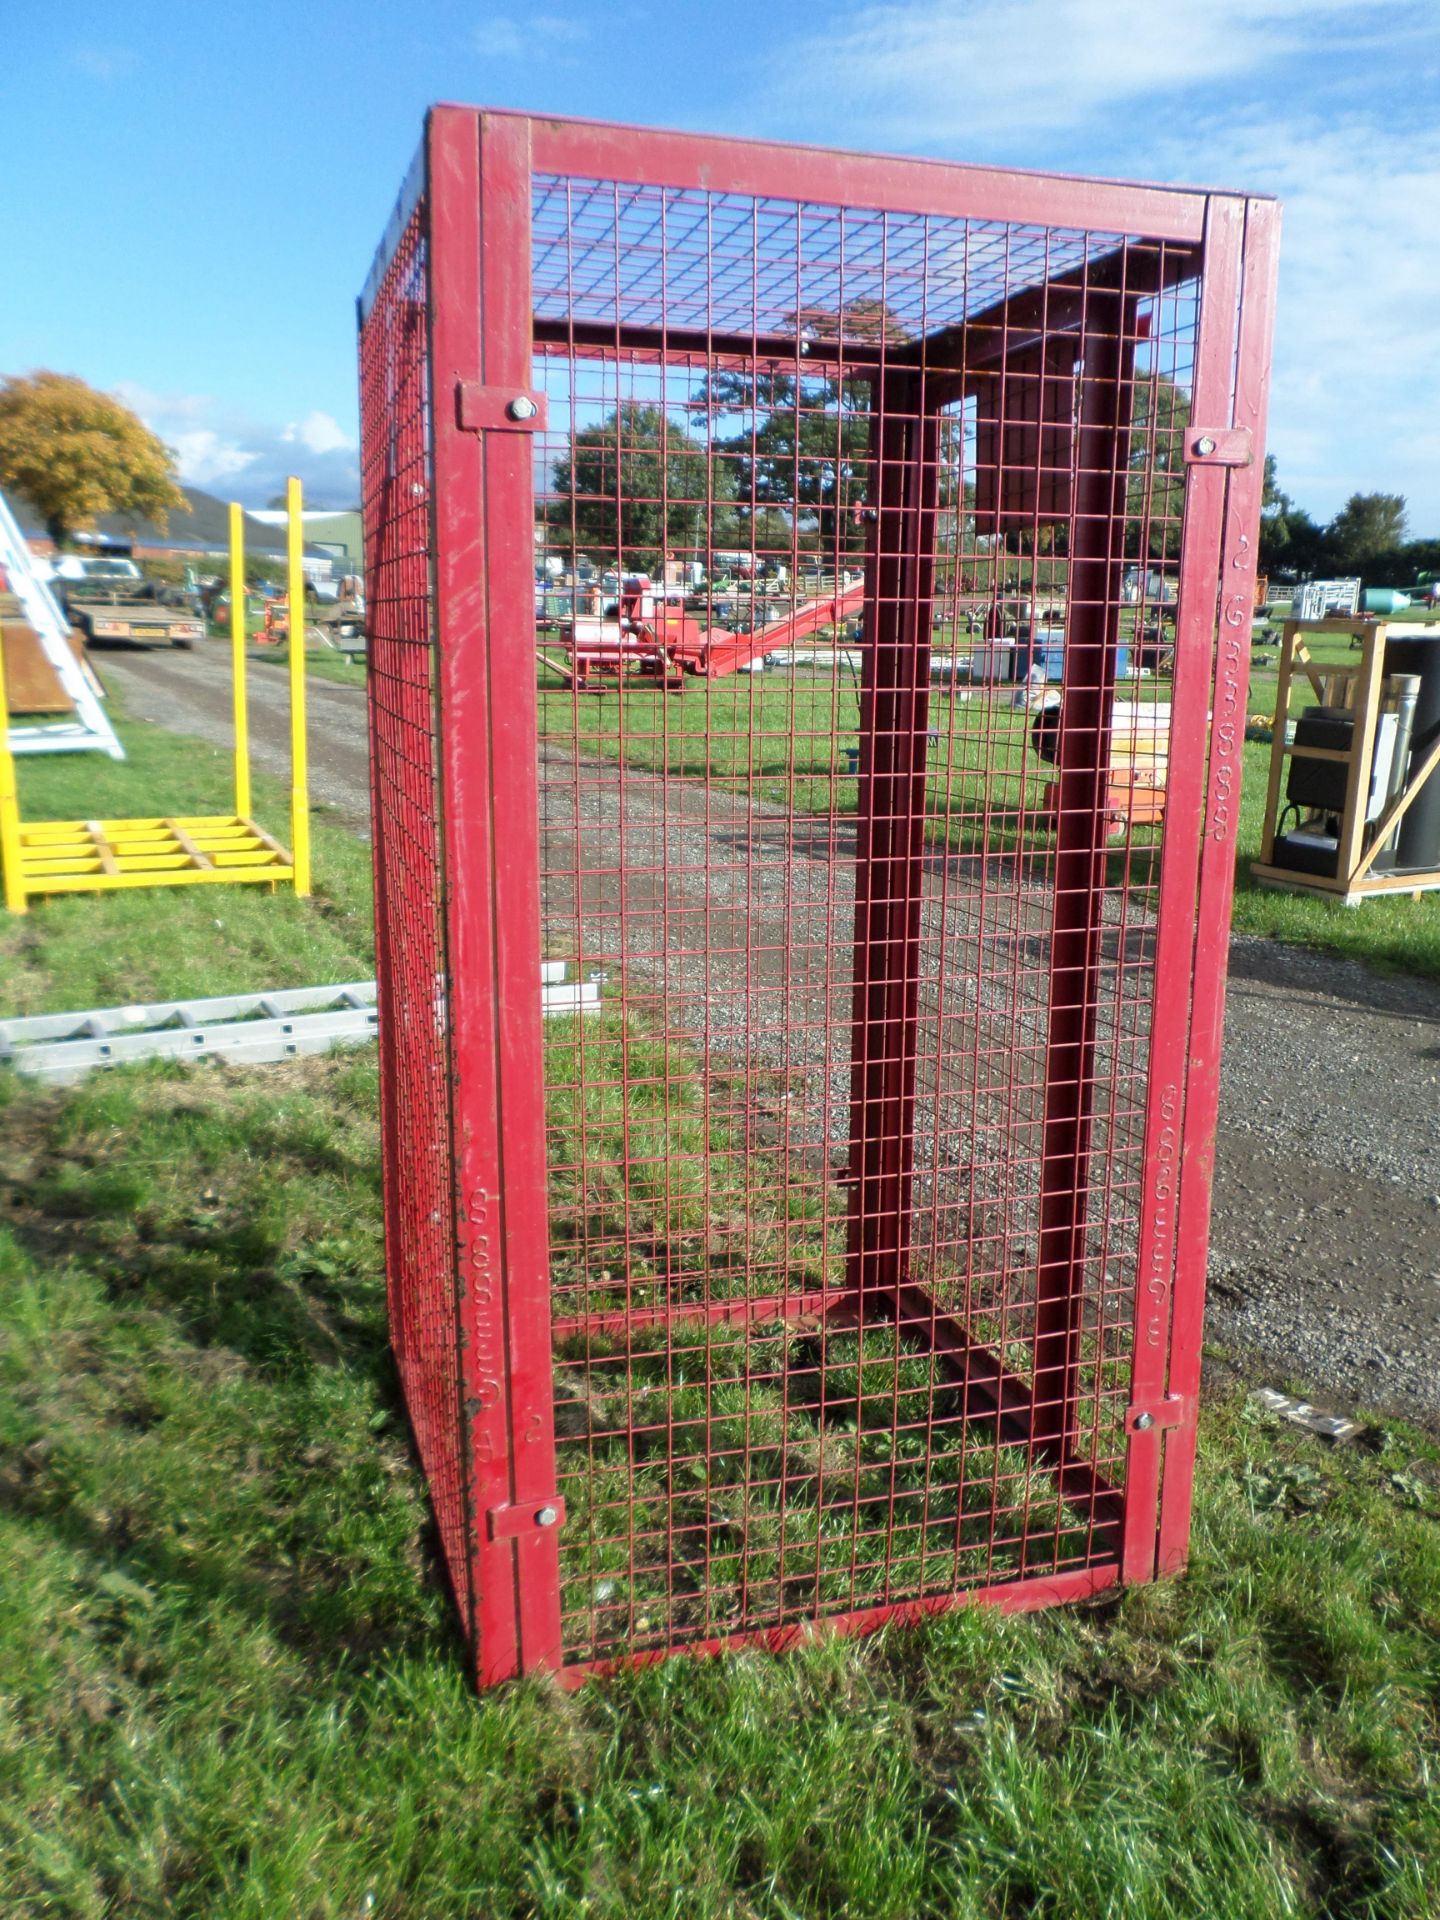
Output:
x,y
504,36
1355,397
220,448
1323,102
320,432
202,457
927,71
105,64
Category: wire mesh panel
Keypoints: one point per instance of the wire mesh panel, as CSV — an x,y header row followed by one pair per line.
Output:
x,y
405,816
870,676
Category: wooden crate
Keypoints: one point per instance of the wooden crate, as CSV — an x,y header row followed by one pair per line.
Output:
x,y
1361,688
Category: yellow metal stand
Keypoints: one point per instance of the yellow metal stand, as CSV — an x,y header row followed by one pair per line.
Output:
x,y
99,856
299,759
237,659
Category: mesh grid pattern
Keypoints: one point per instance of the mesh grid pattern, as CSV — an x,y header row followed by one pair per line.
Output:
x,y
845,1169
420,1238
682,258
857,546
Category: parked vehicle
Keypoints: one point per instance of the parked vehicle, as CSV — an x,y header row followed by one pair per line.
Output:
x,y
111,599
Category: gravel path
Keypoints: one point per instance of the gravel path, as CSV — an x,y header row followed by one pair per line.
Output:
x,y
191,692
1325,1259
1325,1247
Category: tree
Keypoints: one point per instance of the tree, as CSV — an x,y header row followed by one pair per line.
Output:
x,y
1272,498
1367,524
1155,495
802,444
75,453
635,485
1307,548
802,450
1281,522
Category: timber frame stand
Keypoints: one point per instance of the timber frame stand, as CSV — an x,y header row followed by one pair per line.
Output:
x,y
41,857
848,1263
1367,824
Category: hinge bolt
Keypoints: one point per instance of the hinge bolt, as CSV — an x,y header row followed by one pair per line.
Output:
x,y
547,1516
522,407
1144,1422
1204,445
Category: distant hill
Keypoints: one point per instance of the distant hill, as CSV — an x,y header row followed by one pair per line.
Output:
x,y
205,527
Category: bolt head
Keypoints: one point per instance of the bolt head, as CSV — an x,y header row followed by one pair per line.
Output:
x,y
1144,1422
1204,445
547,1516
522,407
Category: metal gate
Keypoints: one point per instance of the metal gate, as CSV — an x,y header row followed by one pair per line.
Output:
x,y
809,602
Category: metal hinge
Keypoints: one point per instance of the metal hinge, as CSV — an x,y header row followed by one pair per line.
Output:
x,y
517,1518
482,409
1219,447
1168,1411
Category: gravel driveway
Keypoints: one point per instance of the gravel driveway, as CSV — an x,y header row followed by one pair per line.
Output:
x,y
191,692
1325,1247
1325,1255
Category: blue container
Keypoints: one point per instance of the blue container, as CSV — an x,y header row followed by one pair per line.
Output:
x,y
1047,650
1385,600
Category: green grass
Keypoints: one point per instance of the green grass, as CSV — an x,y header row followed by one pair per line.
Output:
x,y
768,1471
111,949
783,737
229,1683
229,1680
321,663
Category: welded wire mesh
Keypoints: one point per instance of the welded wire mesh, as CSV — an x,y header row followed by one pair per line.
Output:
x,y
409,865
844,1174
857,541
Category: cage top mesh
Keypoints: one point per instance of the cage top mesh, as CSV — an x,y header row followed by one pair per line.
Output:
x,y
676,258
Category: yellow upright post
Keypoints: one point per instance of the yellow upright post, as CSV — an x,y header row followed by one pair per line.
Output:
x,y
9,806
299,764
237,660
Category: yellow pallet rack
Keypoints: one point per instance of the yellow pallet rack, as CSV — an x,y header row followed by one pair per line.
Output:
x,y
98,856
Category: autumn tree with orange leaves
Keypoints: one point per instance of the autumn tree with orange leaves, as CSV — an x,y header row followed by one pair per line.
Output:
x,y
75,452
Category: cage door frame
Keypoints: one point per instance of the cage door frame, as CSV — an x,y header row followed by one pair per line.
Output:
x,y
482,503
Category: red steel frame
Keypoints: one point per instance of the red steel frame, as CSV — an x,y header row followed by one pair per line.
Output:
x,y
450,480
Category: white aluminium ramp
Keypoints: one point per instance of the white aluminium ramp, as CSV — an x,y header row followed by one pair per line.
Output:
x,y
244,1028
89,730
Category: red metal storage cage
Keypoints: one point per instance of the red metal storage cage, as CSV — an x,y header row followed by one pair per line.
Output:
x,y
808,599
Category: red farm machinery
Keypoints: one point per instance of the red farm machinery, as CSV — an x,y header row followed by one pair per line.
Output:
x,y
644,633
797,1103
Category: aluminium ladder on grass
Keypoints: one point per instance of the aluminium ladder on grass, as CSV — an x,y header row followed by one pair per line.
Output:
x,y
89,730
245,1029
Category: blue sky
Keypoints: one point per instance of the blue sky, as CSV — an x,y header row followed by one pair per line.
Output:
x,y
192,194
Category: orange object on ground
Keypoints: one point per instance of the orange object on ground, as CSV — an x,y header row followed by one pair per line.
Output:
x,y
1139,749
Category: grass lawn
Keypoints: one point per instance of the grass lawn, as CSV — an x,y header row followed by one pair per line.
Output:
x,y
229,1683
321,663
787,733
178,943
